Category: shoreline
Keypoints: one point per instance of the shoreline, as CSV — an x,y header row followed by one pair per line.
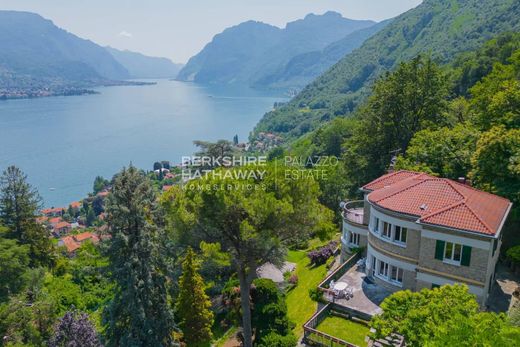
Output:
x,y
35,93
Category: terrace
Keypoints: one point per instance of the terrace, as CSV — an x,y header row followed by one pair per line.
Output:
x,y
343,320
353,211
365,296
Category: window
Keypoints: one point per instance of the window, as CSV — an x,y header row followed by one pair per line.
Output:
x,y
452,252
387,230
400,234
353,238
389,273
376,224
397,274
382,269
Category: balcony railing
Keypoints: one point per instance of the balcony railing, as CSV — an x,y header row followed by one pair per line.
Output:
x,y
353,211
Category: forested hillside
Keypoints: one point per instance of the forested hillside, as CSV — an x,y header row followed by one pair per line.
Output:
x,y
34,49
457,120
303,68
441,27
252,51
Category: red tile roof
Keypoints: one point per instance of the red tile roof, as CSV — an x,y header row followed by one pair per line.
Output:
x,y
388,179
69,243
85,236
41,219
439,201
74,242
53,210
62,225
55,220
75,204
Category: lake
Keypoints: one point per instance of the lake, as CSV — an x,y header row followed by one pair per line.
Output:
x,y
63,143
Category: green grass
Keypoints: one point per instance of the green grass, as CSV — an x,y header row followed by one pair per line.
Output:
x,y
344,329
222,339
299,305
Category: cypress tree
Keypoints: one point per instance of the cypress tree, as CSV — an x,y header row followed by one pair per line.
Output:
x,y
139,314
193,305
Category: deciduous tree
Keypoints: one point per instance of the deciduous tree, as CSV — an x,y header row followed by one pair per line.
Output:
x,y
442,317
253,218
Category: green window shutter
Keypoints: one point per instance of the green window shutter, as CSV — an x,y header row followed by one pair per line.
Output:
x,y
439,249
466,256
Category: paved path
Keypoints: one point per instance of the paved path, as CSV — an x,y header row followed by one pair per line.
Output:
x,y
271,272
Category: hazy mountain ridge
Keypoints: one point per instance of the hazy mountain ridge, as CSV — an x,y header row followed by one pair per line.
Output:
x,y
303,68
250,51
37,58
142,66
445,27
34,47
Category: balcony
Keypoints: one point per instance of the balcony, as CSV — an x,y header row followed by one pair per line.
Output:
x,y
353,211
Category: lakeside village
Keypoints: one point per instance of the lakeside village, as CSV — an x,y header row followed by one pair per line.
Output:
x,y
84,220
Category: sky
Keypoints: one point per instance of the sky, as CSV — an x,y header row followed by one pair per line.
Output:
x,y
179,29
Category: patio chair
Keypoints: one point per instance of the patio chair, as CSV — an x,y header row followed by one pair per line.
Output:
x,y
350,293
337,293
331,284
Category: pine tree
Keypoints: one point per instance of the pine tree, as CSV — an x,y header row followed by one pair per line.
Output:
x,y
19,202
193,305
139,314
19,205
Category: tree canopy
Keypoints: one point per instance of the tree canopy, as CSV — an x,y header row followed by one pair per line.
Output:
x,y
254,219
440,317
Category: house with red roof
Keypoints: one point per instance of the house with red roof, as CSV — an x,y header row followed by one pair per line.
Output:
x,y
73,242
421,231
76,205
53,212
61,228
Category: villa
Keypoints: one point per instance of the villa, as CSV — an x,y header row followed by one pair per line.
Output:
x,y
420,231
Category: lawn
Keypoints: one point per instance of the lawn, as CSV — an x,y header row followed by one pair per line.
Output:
x,y
344,329
299,305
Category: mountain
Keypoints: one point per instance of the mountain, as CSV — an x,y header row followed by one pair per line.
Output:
x,y
250,51
442,28
303,68
34,46
141,66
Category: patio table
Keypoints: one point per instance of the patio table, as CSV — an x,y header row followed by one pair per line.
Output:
x,y
340,286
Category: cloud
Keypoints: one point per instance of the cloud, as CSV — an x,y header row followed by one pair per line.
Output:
x,y
125,34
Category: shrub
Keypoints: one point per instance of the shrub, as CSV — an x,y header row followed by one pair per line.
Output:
x,y
275,340
293,279
319,256
316,295
513,254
